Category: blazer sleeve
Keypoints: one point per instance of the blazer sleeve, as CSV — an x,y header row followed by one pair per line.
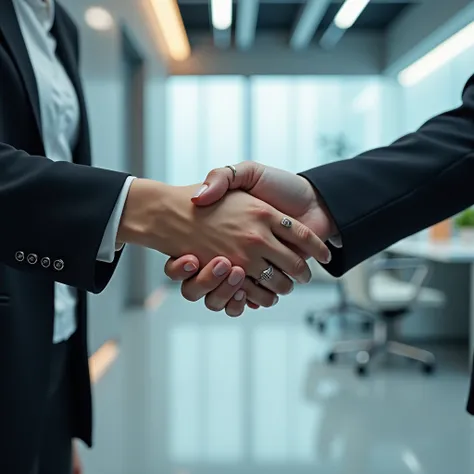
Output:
x,y
58,211
389,193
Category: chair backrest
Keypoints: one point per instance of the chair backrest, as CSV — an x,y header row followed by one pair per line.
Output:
x,y
356,284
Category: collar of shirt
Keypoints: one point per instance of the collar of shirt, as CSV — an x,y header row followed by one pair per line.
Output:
x,y
44,10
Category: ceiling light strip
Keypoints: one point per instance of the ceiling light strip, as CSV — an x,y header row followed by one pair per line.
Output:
x,y
438,57
170,23
221,14
349,12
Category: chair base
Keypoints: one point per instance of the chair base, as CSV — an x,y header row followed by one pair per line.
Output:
x,y
321,318
366,350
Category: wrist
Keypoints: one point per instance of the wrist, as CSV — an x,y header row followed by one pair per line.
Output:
x,y
330,227
324,224
142,209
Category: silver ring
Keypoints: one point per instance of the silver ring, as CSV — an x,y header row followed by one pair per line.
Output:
x,y
267,274
286,222
234,171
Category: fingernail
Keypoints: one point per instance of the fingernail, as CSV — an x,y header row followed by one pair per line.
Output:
x,y
201,190
190,267
239,296
220,269
275,301
234,278
328,258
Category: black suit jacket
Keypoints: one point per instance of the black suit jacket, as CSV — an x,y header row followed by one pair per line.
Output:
x,y
389,193
48,209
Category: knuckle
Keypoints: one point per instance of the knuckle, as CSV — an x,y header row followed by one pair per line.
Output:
x,y
214,173
254,238
299,266
303,233
188,294
262,212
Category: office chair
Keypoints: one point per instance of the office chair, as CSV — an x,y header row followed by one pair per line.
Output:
x,y
374,289
319,318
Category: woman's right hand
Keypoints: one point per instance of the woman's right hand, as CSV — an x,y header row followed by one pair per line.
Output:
x,y
240,227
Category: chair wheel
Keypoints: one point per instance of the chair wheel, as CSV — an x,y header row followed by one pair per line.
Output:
x,y
321,326
366,326
361,370
429,368
331,357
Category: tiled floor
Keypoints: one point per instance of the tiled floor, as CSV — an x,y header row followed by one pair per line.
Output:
x,y
197,393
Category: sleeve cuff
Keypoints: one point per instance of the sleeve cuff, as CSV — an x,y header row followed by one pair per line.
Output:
x,y
109,246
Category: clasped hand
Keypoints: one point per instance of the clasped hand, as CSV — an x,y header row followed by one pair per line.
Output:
x,y
257,226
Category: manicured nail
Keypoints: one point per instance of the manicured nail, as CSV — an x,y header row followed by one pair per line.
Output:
x,y
201,190
275,301
220,269
240,295
234,278
328,258
190,267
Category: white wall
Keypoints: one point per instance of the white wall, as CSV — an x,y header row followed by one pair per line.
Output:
x,y
155,163
276,120
106,115
105,97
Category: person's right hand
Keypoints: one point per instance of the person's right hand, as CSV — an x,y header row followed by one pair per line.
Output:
x,y
288,192
240,227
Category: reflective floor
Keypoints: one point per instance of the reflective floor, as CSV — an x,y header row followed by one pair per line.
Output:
x,y
197,393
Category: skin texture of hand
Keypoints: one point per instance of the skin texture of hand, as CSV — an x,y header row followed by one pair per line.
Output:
x,y
290,193
246,230
222,285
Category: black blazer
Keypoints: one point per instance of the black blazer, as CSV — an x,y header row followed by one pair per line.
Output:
x,y
54,210
389,193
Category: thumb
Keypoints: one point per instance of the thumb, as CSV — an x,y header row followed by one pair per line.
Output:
x,y
221,180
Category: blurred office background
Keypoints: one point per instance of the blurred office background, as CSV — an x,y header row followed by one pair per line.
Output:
x,y
175,89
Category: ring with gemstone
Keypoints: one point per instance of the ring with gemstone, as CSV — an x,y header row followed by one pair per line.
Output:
x,y
286,222
234,171
267,274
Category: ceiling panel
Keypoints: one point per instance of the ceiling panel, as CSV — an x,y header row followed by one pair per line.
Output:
x,y
376,16
281,15
277,16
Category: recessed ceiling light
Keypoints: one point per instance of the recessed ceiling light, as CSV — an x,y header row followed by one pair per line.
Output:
x,y
99,18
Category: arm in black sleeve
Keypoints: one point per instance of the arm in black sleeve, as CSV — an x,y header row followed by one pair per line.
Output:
x,y
389,193
57,210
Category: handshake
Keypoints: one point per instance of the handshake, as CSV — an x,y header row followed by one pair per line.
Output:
x,y
237,238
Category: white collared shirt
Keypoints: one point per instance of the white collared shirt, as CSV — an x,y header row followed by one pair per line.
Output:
x,y
60,119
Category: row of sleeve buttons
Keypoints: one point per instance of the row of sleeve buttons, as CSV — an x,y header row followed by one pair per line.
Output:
x,y
32,259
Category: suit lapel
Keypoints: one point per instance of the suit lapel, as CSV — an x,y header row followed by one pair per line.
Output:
x,y
10,29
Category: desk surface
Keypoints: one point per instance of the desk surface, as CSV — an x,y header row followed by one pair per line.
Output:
x,y
452,251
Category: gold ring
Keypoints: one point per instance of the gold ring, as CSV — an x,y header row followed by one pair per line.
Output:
x,y
234,171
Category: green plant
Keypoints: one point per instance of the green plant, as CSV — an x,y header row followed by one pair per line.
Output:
x,y
465,219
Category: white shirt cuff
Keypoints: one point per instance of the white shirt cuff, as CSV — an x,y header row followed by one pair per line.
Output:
x,y
109,246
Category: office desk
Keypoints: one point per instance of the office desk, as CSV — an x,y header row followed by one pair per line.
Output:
x,y
452,251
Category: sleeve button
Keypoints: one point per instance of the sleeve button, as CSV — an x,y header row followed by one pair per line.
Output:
x,y
58,265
